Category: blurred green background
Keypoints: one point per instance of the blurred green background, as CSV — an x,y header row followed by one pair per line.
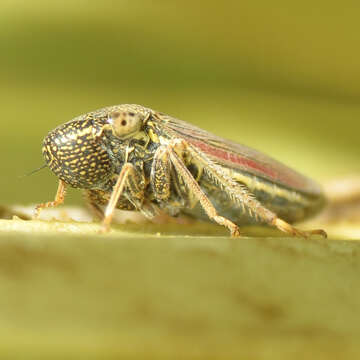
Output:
x,y
279,76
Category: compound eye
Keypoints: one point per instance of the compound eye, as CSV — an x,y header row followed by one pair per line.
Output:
x,y
125,123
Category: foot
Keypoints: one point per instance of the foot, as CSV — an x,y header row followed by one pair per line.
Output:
x,y
287,228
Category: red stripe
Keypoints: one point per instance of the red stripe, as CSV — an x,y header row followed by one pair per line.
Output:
x,y
232,158
252,166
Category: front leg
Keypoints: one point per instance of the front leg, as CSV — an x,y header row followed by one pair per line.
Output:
x,y
95,199
129,176
59,199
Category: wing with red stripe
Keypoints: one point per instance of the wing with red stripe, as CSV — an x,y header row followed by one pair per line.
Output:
x,y
237,156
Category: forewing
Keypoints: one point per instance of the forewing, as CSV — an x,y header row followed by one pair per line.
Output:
x,y
233,155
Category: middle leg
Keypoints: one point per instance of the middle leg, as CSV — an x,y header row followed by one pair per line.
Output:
x,y
165,157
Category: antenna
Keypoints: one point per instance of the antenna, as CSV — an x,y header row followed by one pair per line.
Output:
x,y
34,171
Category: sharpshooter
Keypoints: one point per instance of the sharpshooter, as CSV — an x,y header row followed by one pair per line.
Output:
x,y
134,158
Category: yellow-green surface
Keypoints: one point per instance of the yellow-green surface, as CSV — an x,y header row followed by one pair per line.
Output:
x,y
280,76
178,297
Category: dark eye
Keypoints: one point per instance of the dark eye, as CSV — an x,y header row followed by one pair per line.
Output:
x,y
126,123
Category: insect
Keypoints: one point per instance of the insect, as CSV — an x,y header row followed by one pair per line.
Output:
x,y
133,158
